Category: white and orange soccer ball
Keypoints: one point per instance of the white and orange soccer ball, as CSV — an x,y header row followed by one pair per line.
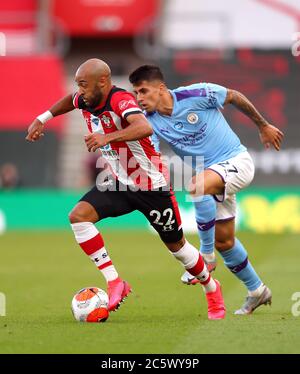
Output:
x,y
90,305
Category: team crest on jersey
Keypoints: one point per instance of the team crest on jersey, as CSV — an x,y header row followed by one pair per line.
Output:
x,y
192,118
106,121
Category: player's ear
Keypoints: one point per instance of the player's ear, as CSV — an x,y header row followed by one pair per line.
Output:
x,y
102,81
162,88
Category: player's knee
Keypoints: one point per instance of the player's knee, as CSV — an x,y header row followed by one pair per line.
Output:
x,y
76,216
176,246
225,244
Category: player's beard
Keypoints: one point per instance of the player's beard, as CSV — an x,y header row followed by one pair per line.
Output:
x,y
97,99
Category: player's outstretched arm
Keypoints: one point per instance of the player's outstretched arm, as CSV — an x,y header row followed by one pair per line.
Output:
x,y
138,128
35,130
269,135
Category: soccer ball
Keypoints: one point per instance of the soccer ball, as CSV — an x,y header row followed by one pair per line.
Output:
x,y
90,305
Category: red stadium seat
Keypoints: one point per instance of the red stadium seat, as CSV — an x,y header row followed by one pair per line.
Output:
x,y
112,18
29,85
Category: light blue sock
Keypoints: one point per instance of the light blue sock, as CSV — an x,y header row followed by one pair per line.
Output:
x,y
205,217
236,259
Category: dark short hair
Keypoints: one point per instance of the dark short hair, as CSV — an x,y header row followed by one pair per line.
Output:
x,y
146,73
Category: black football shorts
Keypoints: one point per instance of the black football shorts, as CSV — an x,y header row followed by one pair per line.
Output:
x,y
159,207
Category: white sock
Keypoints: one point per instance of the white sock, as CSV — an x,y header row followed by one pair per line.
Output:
x,y
191,259
91,242
187,255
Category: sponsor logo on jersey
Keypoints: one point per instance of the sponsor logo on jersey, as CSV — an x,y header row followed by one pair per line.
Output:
x,y
190,139
192,118
110,155
164,131
124,104
178,125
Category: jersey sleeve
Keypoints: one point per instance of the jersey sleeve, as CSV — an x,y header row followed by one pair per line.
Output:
x,y
155,141
78,101
124,103
211,95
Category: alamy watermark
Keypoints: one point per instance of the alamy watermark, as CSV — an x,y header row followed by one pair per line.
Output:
x,y
296,306
122,171
2,305
296,45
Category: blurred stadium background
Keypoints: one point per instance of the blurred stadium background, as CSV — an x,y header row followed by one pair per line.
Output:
x,y
42,42
250,45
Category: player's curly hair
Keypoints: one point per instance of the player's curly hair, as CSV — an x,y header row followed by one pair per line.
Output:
x,y
146,73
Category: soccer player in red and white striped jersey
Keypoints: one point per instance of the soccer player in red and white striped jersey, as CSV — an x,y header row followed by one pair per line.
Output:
x,y
120,130
109,119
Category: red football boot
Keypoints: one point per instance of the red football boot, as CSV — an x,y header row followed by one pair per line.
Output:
x,y
215,301
117,291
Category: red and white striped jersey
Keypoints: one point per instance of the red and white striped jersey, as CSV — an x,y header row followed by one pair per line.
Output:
x,y
136,162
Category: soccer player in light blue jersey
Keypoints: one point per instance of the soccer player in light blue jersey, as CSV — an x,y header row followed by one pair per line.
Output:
x,y
190,119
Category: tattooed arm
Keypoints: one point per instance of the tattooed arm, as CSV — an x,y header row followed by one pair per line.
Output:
x,y
269,135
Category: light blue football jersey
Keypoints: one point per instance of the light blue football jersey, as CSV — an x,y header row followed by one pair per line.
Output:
x,y
197,127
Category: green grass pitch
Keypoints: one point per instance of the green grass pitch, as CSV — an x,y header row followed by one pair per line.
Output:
x,y
41,271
